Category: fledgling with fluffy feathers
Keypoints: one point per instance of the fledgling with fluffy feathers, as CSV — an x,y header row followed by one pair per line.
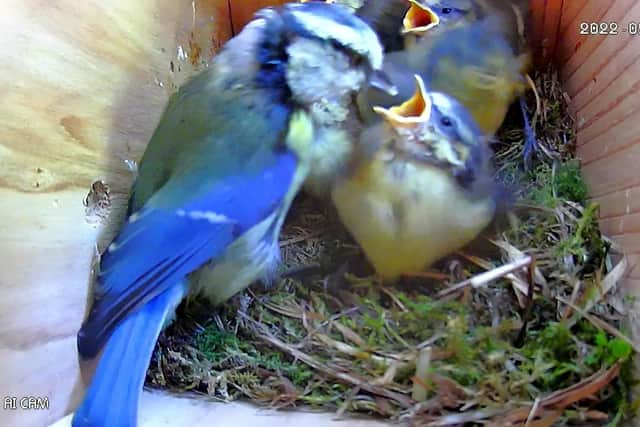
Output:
x,y
420,186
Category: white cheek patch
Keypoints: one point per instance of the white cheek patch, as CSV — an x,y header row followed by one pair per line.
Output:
x,y
363,41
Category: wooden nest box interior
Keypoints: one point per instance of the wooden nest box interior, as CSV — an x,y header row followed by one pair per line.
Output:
x,y
83,86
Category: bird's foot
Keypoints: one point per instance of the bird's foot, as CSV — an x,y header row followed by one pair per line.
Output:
x,y
530,141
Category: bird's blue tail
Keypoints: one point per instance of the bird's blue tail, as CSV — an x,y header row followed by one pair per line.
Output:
x,y
112,398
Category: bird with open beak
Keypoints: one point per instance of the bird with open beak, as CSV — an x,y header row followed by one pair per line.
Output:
x,y
421,186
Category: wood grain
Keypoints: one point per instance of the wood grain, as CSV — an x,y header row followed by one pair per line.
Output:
x,y
243,10
616,77
601,74
634,266
537,11
570,10
630,241
585,45
599,50
620,225
574,12
551,29
623,87
613,130
83,85
158,409
603,178
619,203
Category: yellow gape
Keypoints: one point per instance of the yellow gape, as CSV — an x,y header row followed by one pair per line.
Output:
x,y
404,203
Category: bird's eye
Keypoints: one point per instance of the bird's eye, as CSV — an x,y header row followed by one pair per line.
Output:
x,y
357,60
336,45
446,121
446,10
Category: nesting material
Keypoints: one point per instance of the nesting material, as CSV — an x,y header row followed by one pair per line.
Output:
x,y
524,327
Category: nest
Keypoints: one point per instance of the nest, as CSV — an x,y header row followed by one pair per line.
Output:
x,y
526,326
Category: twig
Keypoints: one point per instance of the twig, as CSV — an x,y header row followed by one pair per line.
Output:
x,y
527,311
610,281
394,299
532,413
345,405
565,397
486,277
298,239
601,324
422,375
400,399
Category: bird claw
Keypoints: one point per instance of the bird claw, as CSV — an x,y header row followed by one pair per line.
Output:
x,y
531,143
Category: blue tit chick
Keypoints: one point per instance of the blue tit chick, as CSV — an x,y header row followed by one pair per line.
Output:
x,y
420,187
425,16
505,22
473,63
230,152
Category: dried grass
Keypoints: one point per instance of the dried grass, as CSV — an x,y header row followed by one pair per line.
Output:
x,y
487,337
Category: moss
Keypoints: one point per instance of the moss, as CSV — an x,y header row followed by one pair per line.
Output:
x,y
569,183
330,322
215,344
565,183
608,351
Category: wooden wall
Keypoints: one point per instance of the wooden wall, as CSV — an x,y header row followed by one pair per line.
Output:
x,y
89,80
601,74
83,85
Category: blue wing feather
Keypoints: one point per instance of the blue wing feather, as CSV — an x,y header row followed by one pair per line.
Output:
x,y
164,242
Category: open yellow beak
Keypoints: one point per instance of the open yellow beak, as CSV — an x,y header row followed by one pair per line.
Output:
x,y
413,111
419,19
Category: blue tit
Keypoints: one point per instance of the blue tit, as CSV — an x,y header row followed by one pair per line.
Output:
x,y
504,68
337,121
420,186
231,150
474,63
425,16
385,17
396,20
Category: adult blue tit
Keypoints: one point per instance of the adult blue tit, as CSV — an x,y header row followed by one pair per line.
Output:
x,y
337,120
384,16
421,186
231,150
